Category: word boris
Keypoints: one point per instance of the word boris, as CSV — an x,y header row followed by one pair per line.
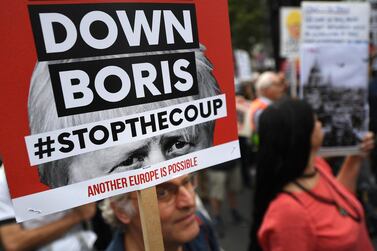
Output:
x,y
107,31
119,82
84,30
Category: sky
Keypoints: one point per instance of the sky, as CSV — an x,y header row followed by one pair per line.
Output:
x,y
346,65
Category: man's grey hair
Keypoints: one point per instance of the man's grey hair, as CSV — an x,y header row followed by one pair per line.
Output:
x,y
121,202
43,116
265,80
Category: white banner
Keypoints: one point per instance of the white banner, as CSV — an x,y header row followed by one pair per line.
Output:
x,y
49,146
334,71
34,205
334,22
290,31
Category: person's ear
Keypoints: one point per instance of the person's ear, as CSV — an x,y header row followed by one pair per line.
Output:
x,y
265,92
121,215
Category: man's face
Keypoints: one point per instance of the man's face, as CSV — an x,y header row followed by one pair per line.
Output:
x,y
276,90
137,154
294,31
177,211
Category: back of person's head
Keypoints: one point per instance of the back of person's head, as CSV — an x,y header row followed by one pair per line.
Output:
x,y
114,206
285,130
265,80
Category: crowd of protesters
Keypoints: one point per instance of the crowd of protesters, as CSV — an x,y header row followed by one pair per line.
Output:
x,y
298,203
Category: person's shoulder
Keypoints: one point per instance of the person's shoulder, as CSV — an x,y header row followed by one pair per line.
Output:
x,y
287,226
206,239
6,207
322,165
202,219
116,243
286,212
286,206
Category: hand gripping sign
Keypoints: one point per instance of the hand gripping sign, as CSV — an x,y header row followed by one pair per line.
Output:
x,y
104,98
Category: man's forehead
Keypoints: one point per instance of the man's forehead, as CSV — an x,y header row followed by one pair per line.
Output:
x,y
155,139
177,181
176,133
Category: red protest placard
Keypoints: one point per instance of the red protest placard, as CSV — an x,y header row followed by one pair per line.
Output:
x,y
104,98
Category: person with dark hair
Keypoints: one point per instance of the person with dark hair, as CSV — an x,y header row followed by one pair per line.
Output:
x,y
299,204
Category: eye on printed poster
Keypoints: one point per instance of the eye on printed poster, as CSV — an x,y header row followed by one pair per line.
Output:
x,y
334,71
101,98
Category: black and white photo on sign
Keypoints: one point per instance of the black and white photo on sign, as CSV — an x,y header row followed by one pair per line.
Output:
x,y
43,117
119,102
334,81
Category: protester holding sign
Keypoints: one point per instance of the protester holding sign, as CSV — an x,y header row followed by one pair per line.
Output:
x,y
183,228
299,204
56,232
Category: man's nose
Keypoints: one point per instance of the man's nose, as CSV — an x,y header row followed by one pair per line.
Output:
x,y
185,198
156,154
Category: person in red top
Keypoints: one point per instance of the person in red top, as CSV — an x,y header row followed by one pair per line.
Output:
x,y
299,204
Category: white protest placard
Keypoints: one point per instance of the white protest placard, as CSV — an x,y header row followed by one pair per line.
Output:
x,y
242,62
335,23
290,31
101,98
334,71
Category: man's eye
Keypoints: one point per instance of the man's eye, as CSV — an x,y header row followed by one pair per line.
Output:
x,y
180,144
162,193
134,161
179,147
187,182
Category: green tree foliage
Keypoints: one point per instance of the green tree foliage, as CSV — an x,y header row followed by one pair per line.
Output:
x,y
248,22
251,21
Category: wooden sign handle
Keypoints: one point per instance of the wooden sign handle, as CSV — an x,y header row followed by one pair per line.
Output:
x,y
150,219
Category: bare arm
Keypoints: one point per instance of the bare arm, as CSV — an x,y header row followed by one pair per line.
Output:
x,y
350,169
14,237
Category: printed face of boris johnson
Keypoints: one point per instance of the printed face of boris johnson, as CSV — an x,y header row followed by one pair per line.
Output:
x,y
43,117
138,154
